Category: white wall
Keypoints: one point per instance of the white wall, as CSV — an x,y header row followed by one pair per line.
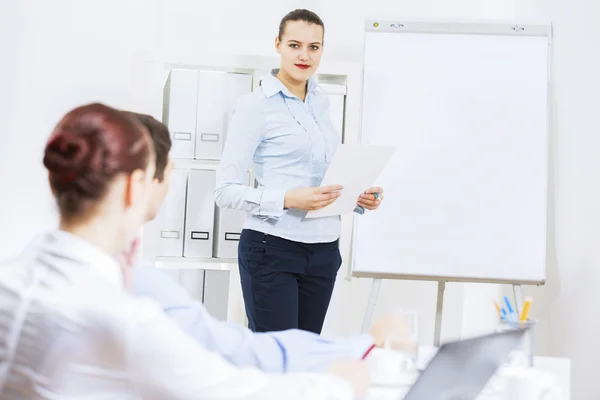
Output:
x,y
250,27
9,42
61,53
566,305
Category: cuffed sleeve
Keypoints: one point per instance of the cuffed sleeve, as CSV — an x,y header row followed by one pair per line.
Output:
x,y
309,352
272,203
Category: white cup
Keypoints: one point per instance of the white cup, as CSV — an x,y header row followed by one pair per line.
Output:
x,y
521,383
390,367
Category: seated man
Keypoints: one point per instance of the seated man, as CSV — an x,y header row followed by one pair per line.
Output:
x,y
285,351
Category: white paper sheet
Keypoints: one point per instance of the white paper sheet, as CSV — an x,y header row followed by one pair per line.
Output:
x,y
355,167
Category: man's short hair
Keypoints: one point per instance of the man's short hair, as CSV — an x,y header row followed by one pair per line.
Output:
x,y
161,139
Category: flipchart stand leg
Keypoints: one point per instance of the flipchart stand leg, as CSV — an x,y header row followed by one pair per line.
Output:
x,y
517,292
438,313
376,285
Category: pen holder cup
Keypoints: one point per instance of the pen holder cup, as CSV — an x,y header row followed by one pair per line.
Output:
x,y
524,353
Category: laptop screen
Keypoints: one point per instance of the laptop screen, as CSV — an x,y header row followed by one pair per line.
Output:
x,y
460,370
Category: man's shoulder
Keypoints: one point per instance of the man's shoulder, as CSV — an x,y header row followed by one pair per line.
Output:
x,y
149,281
147,272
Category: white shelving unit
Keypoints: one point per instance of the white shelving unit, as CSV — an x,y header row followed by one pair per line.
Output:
x,y
212,264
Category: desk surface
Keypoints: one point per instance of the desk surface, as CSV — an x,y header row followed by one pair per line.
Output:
x,y
558,368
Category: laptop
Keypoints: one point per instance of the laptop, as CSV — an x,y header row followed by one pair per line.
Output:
x,y
461,370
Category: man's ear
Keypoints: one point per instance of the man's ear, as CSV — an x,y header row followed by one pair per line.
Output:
x,y
168,169
134,187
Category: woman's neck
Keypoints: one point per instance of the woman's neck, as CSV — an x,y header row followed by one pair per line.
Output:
x,y
96,231
296,87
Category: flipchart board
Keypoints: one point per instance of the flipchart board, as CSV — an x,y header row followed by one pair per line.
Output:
x,y
465,193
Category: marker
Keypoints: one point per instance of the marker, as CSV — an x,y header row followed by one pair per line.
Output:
x,y
526,306
376,195
503,311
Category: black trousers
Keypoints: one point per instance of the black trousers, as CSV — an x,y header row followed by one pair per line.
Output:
x,y
286,284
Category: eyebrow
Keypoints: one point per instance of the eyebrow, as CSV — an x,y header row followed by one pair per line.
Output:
x,y
297,41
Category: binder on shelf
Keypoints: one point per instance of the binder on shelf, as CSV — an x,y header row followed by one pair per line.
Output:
x,y
171,217
217,92
228,230
210,127
200,214
237,86
180,104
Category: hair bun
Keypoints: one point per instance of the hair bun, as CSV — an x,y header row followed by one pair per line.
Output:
x,y
89,147
67,155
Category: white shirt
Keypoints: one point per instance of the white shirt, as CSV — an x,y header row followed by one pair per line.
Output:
x,y
69,330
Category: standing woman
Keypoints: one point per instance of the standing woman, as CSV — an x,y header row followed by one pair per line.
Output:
x,y
288,263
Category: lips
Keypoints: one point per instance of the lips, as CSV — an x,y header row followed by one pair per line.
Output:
x,y
302,66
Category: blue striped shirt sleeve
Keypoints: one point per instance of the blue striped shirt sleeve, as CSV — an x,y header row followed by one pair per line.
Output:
x,y
285,351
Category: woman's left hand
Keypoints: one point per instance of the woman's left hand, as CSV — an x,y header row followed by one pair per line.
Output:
x,y
369,200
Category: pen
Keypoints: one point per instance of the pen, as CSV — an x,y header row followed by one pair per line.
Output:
x,y
526,306
360,209
498,309
509,307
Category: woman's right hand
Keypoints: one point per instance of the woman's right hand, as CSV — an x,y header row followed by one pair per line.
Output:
x,y
354,372
312,198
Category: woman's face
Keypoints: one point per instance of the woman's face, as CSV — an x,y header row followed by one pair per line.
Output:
x,y
301,48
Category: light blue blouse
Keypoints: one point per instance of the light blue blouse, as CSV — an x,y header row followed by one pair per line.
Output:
x,y
291,143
